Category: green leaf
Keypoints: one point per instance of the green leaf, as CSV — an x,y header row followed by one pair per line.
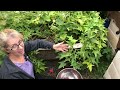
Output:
x,y
96,53
80,21
89,65
64,55
70,38
53,27
1,62
59,21
63,36
94,40
62,64
47,18
104,45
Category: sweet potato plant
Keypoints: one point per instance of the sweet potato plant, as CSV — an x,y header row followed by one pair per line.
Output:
x,y
71,27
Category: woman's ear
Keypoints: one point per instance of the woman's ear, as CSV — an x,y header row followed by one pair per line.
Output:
x,y
6,50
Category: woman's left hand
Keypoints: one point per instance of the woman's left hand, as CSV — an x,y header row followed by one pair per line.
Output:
x,y
61,47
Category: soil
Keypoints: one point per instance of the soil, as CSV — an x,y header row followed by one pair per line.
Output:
x,y
52,67
52,70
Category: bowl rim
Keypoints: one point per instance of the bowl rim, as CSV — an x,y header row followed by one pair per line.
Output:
x,y
69,68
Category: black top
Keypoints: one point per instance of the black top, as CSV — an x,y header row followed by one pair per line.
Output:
x,y
9,70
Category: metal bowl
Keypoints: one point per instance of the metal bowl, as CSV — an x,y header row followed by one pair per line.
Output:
x,y
69,73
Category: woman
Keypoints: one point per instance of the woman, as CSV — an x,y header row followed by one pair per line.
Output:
x,y
16,64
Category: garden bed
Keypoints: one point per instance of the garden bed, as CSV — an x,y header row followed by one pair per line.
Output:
x,y
71,27
51,62
52,70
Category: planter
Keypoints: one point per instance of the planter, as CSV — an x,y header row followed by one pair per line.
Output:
x,y
47,54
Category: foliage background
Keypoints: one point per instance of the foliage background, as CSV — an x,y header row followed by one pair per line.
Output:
x,y
68,26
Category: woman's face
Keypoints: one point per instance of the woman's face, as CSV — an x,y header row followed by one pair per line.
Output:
x,y
15,46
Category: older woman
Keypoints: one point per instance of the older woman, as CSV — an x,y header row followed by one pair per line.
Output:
x,y
16,64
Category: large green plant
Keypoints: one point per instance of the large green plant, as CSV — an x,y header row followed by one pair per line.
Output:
x,y
85,27
68,26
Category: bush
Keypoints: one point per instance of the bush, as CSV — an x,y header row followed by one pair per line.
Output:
x,y
68,26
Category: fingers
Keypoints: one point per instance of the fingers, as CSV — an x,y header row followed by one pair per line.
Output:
x,y
61,47
64,49
65,45
61,42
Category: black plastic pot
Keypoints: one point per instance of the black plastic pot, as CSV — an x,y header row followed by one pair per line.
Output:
x,y
47,54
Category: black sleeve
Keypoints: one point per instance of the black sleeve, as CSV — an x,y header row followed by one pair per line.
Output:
x,y
36,44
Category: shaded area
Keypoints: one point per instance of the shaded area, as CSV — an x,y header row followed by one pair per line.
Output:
x,y
51,70
97,73
52,66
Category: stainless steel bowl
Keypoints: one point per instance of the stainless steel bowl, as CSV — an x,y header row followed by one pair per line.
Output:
x,y
69,73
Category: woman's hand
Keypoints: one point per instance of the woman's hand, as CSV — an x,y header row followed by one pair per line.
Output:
x,y
61,47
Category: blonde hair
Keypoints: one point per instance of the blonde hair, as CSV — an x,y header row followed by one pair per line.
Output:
x,y
5,34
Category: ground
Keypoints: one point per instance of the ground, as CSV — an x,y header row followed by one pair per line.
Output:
x,y
97,73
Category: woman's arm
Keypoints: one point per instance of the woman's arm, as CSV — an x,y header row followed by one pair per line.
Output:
x,y
40,43
36,44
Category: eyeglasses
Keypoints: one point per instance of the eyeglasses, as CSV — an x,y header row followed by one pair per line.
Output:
x,y
16,46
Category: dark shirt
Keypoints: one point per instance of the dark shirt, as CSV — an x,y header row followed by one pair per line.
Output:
x,y
9,70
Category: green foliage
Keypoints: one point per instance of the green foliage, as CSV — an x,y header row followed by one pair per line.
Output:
x,y
85,27
38,63
25,22
68,26
2,54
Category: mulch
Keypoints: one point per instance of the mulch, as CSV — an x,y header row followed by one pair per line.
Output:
x,y
51,70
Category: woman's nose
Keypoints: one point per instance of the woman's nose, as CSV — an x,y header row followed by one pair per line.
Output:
x,y
20,47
